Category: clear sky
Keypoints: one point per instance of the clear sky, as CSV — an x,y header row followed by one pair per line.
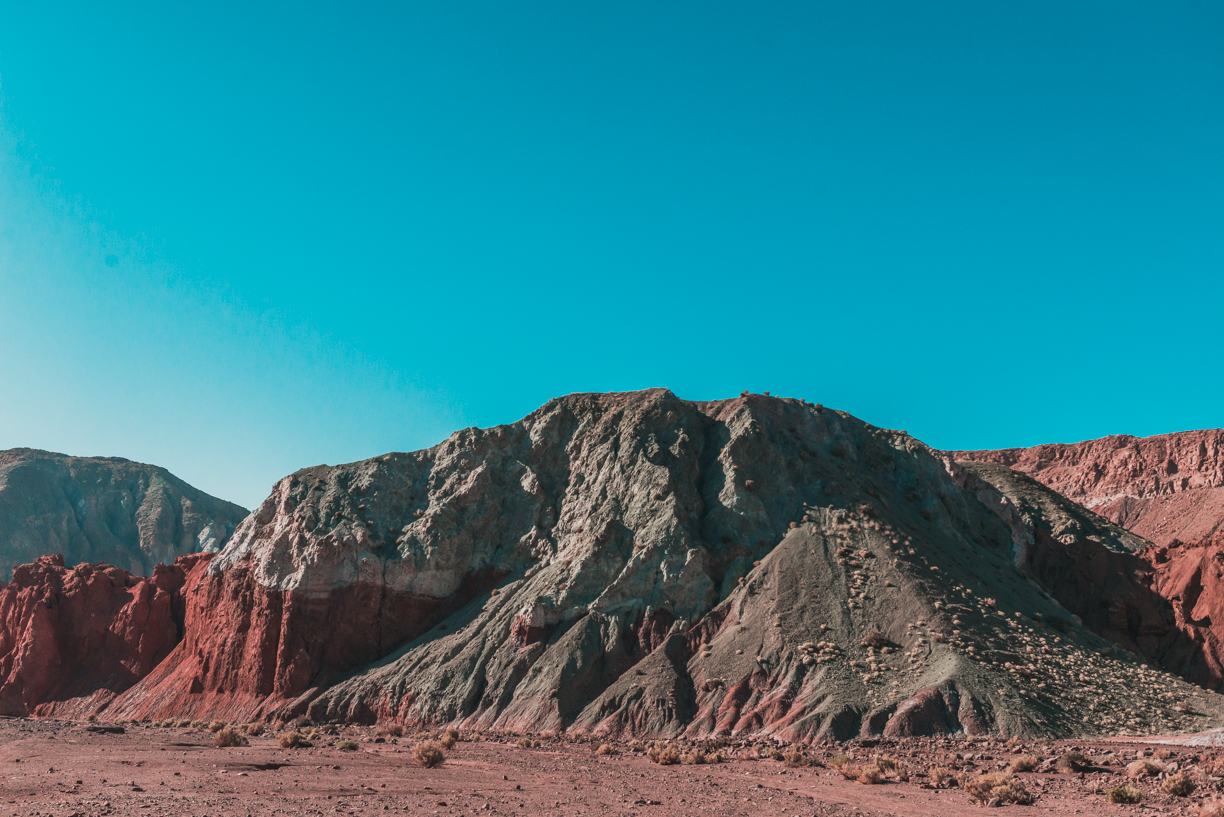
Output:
x,y
237,239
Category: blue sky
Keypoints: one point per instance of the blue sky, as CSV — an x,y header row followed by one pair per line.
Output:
x,y
239,239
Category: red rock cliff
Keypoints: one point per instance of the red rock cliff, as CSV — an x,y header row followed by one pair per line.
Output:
x,y
73,638
1163,488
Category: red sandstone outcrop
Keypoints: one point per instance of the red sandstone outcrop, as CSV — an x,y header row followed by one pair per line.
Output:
x,y
1163,488
636,563
73,638
104,510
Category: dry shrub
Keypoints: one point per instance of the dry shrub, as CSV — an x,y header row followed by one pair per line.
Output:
x,y
229,736
770,753
1124,795
794,758
875,639
636,745
182,724
428,754
199,724
1178,784
1212,808
527,743
1070,763
663,755
606,749
254,729
997,786
891,767
845,766
390,730
869,775
216,726
940,776
292,740
346,745
448,741
1023,763
278,725
452,733
714,757
694,757
1144,768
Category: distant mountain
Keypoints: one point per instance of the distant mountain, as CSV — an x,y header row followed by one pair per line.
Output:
x,y
1164,488
103,510
618,564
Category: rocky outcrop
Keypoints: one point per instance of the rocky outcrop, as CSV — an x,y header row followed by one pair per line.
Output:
x,y
104,510
636,563
1164,488
73,638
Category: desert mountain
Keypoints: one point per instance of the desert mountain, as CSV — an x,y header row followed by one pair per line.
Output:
x,y
637,563
104,510
1164,488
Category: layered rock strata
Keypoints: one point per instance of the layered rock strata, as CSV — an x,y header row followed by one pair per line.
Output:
x,y
636,563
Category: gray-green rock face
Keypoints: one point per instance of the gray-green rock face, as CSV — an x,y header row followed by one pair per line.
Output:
x,y
104,509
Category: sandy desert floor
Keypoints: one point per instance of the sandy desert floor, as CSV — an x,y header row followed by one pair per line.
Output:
x,y
63,769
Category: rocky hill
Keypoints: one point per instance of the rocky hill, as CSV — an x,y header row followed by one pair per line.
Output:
x,y
1164,488
104,510
72,638
636,563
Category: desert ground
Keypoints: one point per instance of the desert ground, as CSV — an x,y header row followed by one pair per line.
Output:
x,y
65,769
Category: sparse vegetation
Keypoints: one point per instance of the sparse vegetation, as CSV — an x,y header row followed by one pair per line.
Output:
x,y
940,776
606,749
346,745
292,740
448,741
216,726
997,788
869,775
1124,795
1178,784
1070,763
254,729
663,755
1023,763
428,754
228,736
526,743
1144,768
390,730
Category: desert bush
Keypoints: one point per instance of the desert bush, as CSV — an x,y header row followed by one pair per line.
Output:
x,y
346,745
1023,763
794,758
663,755
182,724
606,749
875,639
637,746
228,736
390,730
1144,768
869,775
292,740
199,724
1178,784
1124,795
693,757
216,726
428,754
448,741
1070,763
769,753
891,767
526,743
453,733
940,776
254,729
845,766
999,786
